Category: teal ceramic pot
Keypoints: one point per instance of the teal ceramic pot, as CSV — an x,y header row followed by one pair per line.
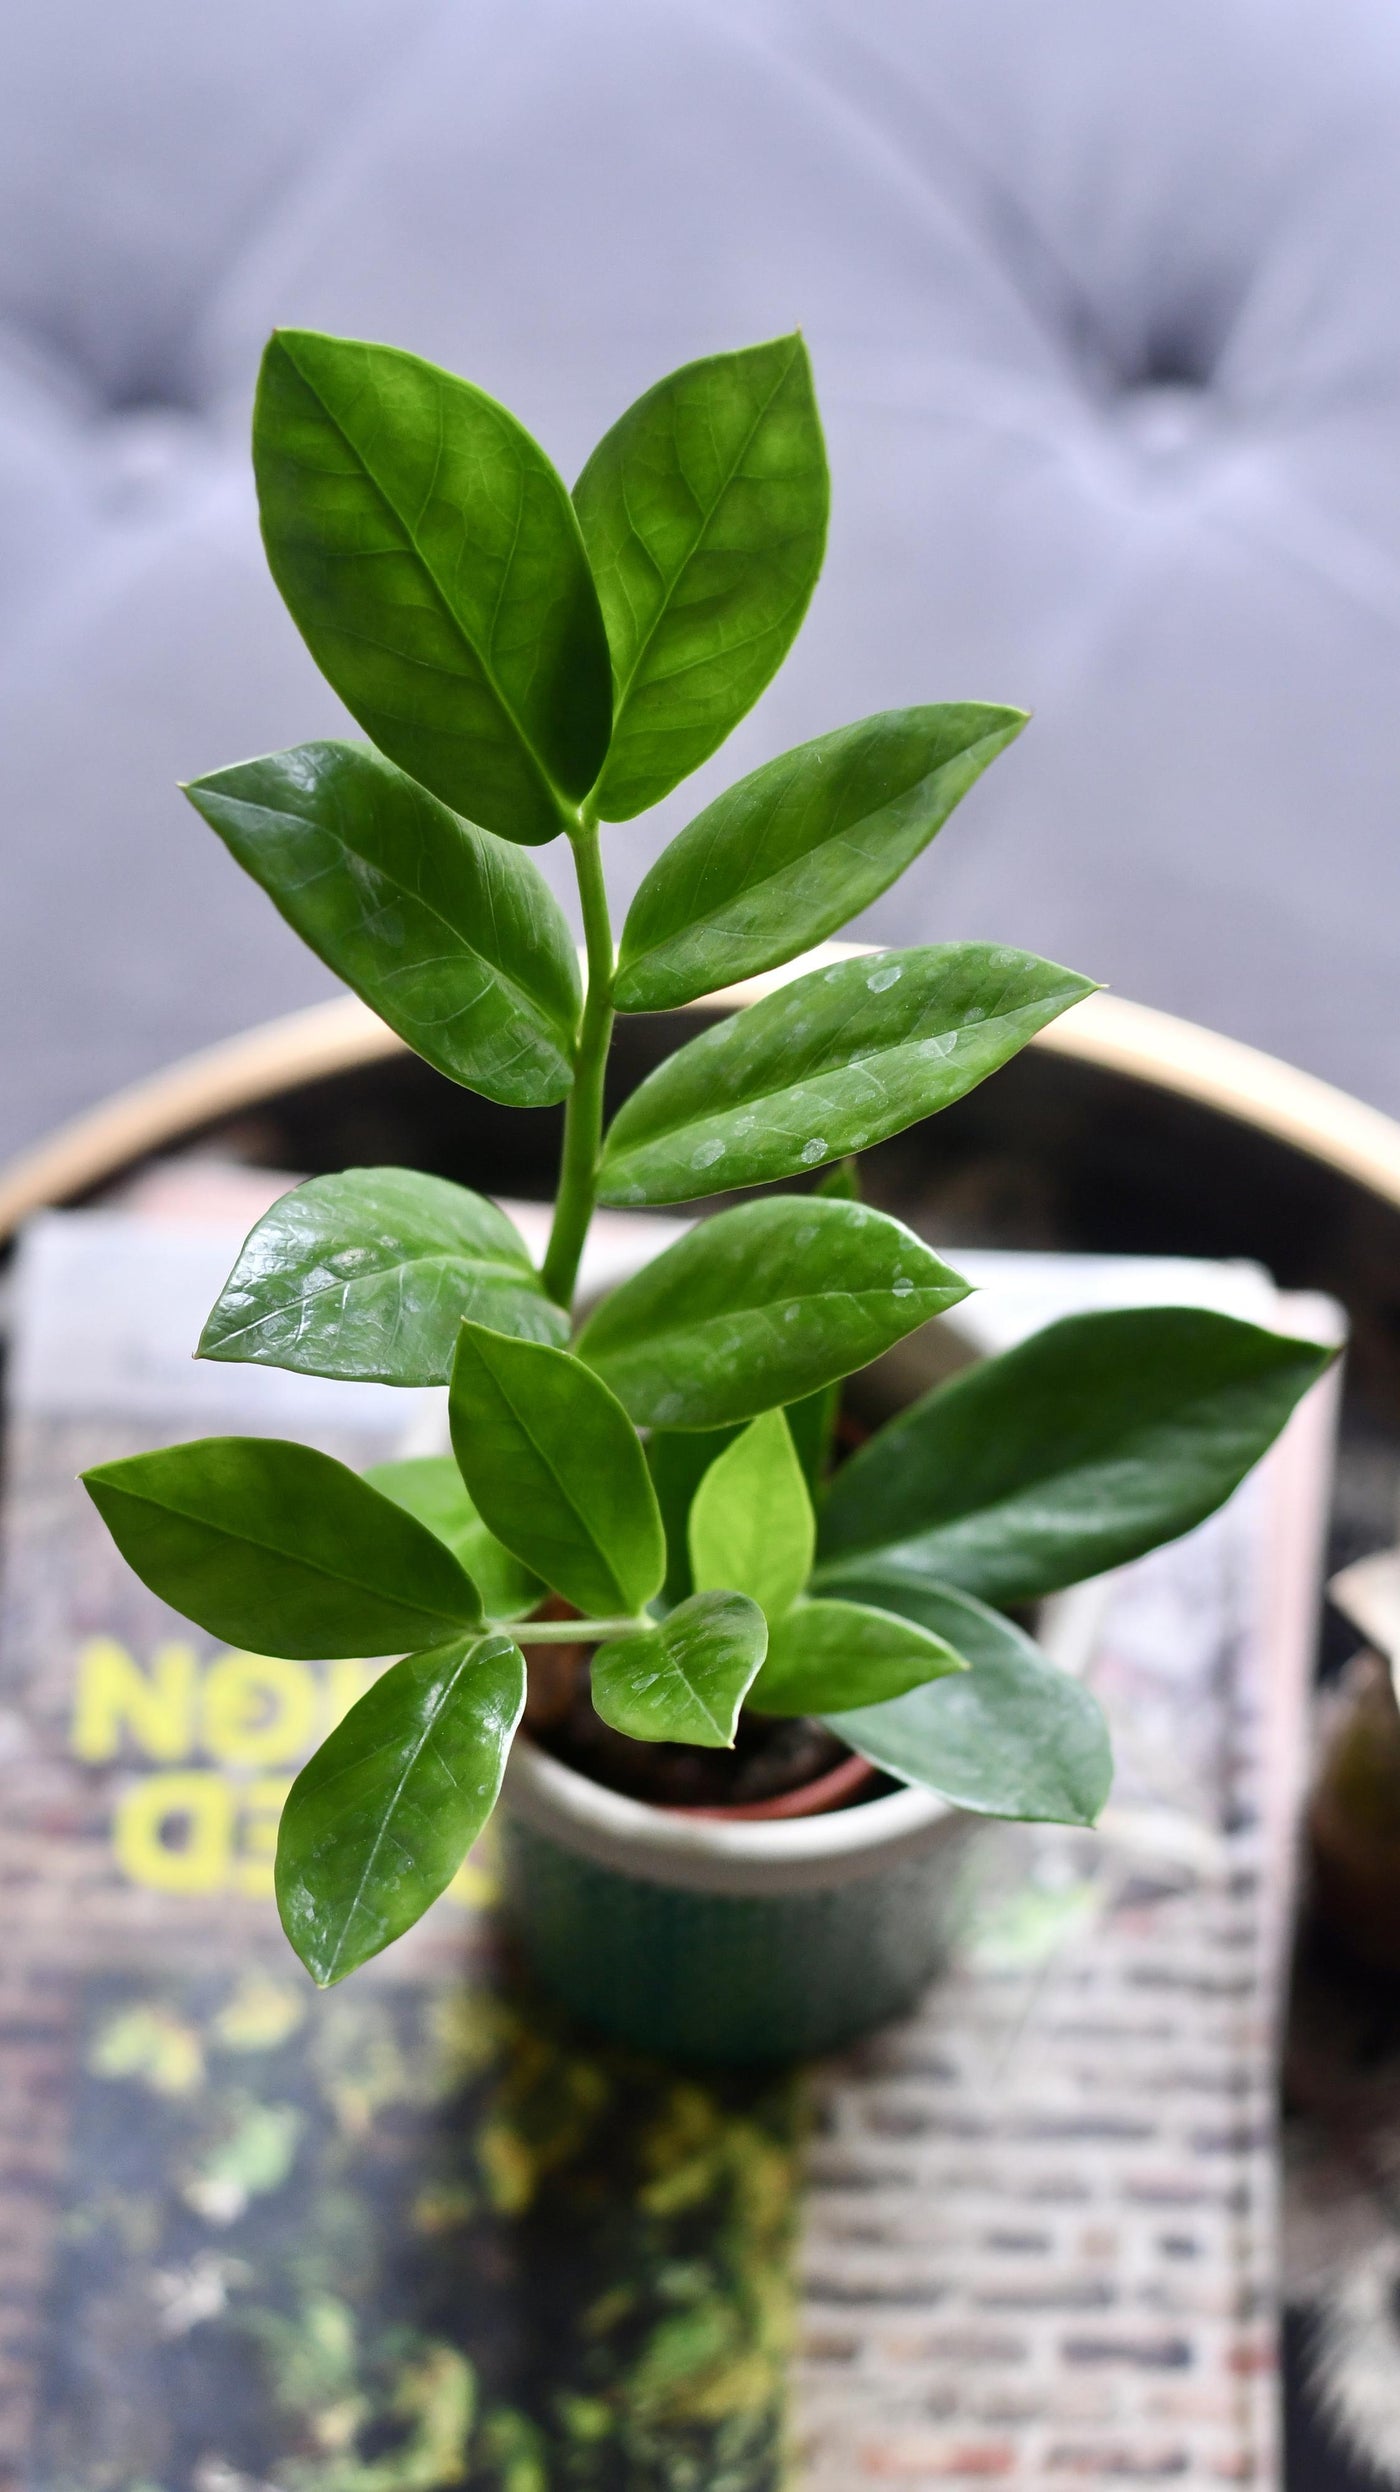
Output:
x,y
726,1942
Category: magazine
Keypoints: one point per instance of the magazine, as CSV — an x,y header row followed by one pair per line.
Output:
x,y
418,2231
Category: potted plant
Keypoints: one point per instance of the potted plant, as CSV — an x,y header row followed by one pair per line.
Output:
x,y
739,1630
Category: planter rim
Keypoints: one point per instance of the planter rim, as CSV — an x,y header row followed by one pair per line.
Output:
x,y
720,1856
1223,1074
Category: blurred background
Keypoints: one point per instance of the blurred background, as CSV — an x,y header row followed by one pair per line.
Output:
x,y
1103,309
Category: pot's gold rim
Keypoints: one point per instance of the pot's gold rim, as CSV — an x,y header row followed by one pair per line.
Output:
x,y
1311,1116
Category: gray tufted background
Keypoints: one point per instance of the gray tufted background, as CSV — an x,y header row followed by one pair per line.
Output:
x,y
1104,299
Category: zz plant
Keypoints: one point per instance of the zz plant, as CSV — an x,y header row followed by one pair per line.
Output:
x,y
530,665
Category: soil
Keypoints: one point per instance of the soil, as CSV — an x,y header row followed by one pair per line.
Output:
x,y
768,1758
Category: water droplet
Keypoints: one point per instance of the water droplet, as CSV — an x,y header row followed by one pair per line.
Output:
x,y
942,1043
903,1287
813,1150
887,975
706,1153
975,1012
804,1235
791,1313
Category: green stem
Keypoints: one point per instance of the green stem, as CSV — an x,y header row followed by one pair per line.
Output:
x,y
568,1630
583,1117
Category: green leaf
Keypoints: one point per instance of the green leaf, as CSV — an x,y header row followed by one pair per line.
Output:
x,y
432,1487
704,514
678,1461
451,936
276,1548
688,1678
761,1305
555,1467
797,848
752,1528
832,1653
369,1274
432,563
380,1820
1095,1440
1010,1737
842,1058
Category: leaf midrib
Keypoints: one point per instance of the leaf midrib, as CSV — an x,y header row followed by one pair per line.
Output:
x,y
428,1733
662,1136
624,688
525,1001
410,534
294,1557
695,928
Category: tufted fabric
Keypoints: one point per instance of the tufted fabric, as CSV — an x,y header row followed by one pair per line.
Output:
x,y
1104,309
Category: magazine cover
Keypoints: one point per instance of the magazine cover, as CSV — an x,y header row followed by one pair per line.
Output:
x,y
417,2232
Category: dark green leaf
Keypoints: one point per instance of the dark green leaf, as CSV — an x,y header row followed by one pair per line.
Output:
x,y
432,563
451,936
836,1653
1010,1737
842,1058
678,1461
432,1487
761,1305
797,848
277,1548
369,1275
688,1678
704,513
1097,1439
557,1470
381,1819
752,1529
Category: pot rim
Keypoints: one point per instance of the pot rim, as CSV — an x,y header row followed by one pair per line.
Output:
x,y
733,1856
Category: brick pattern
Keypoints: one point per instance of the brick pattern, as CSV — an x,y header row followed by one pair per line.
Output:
x,y
1041,2239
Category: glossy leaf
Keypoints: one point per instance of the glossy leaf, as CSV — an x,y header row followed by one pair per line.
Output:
x,y
431,1487
704,513
276,1548
381,1819
1097,1439
840,1059
800,847
451,936
752,1528
557,1471
830,1654
369,1275
431,560
761,1305
689,1677
678,1461
1012,1736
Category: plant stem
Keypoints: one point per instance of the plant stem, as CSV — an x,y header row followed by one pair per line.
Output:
x,y
583,1117
568,1630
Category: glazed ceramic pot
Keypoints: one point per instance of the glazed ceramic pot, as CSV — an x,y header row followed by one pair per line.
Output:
x,y
726,1940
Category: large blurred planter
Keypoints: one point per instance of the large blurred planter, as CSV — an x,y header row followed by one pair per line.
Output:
x,y
1120,1130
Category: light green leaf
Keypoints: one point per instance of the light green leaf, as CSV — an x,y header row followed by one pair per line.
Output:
x,y
761,1305
451,936
688,1678
557,1471
704,514
1097,1439
752,1528
799,847
678,1461
381,1819
1010,1737
840,1059
432,563
829,1654
431,1487
369,1275
278,1549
